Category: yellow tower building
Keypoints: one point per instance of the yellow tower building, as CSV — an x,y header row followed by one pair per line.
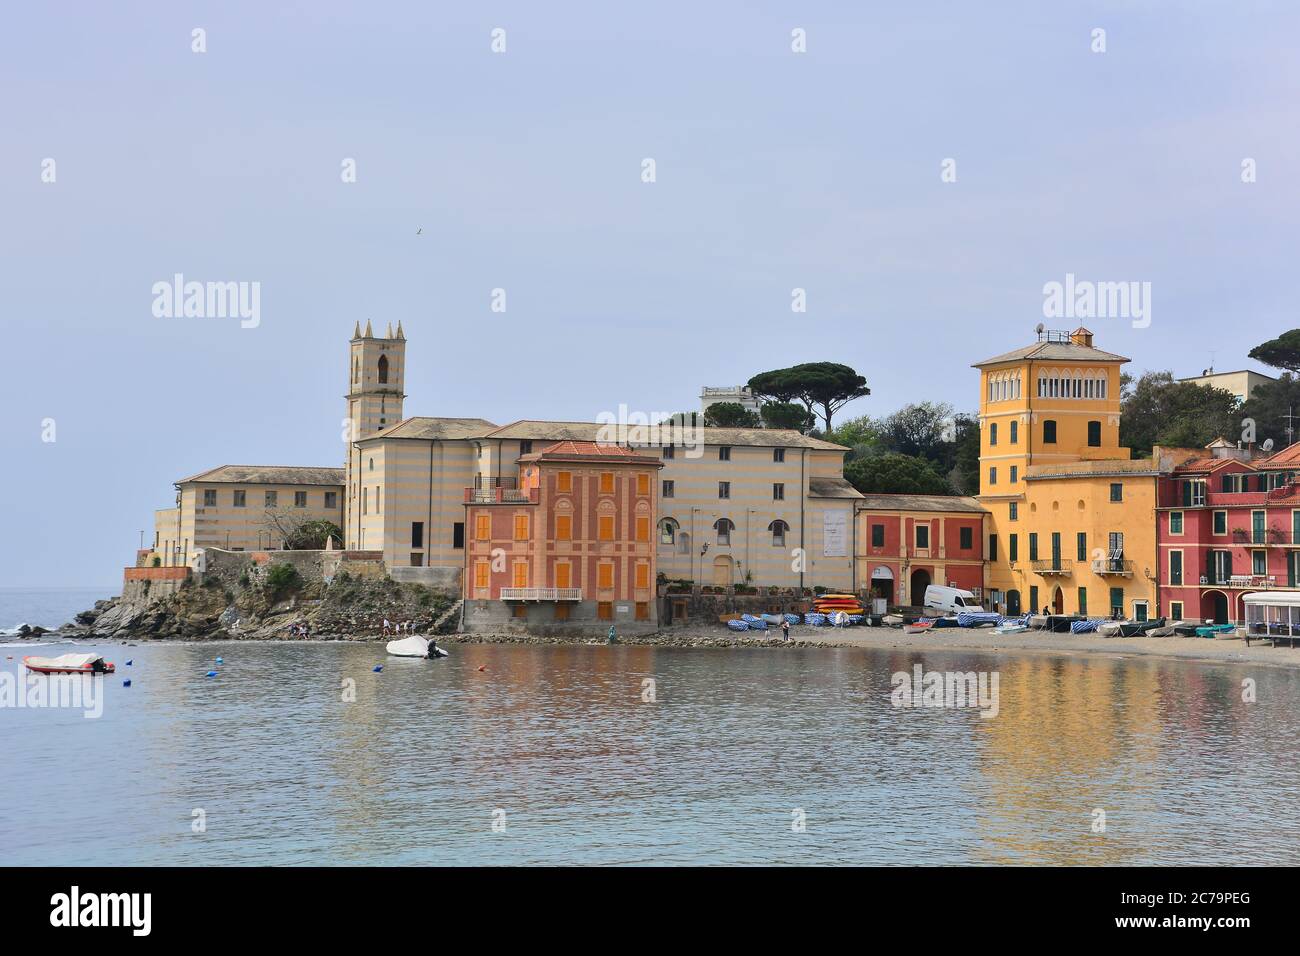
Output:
x,y
1071,514
377,369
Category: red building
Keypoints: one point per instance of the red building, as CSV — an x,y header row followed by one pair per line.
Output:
x,y
572,546
1227,525
905,543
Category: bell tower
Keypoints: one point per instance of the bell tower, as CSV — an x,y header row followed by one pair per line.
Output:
x,y
376,377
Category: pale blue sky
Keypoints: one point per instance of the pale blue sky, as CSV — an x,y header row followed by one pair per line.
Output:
x,y
775,170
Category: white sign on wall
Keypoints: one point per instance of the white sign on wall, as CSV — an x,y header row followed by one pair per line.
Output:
x,y
835,525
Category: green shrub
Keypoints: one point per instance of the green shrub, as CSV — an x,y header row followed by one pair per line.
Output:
x,y
281,579
157,561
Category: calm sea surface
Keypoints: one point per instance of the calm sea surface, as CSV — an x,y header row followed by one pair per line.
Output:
x,y
558,743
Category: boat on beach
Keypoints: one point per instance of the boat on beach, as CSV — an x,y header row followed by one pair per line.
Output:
x,y
70,664
413,646
918,627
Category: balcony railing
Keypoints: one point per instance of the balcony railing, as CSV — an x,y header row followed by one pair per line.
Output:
x,y
495,481
1113,566
1261,582
1052,566
541,594
509,496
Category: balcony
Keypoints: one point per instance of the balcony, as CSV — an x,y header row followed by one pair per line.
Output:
x,y
1051,566
1251,582
500,496
541,594
1113,567
484,482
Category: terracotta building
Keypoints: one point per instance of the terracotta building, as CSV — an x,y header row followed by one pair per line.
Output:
x,y
905,543
571,546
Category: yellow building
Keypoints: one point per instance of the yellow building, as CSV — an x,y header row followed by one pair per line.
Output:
x,y
1071,514
244,508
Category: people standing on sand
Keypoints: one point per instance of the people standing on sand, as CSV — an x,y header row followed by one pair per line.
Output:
x,y
785,630
388,628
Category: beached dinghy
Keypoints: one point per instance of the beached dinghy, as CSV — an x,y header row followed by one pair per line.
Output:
x,y
918,627
70,664
413,646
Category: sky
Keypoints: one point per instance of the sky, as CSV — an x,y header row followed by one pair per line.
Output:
x,y
829,170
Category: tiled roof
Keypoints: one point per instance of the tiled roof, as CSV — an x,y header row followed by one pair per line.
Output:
x,y
1053,352
435,428
883,502
594,431
587,450
269,475
832,488
1106,467
1286,457
1208,464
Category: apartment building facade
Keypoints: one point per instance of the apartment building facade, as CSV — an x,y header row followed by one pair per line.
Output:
x,y
905,543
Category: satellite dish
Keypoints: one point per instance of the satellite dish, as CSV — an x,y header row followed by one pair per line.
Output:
x,y
1268,444
1039,328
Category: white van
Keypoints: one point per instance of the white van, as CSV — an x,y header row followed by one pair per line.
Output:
x,y
950,600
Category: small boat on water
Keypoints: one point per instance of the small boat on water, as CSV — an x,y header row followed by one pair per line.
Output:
x,y
415,646
70,664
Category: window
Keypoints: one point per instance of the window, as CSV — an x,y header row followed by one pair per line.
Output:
x,y
604,611
526,446
564,527
300,499
643,610
383,370
642,528
993,476
668,489
1116,491
521,527
1175,522
1220,522
724,489
1094,434
1013,547
877,535
563,574
481,574
270,499
993,434
1013,511
1015,474
1175,567
606,482
365,499
1139,611
605,574
966,538
1033,598
778,454
1033,546
667,531
778,491
724,453
458,534
1081,542
520,578
331,499
1083,601
923,536
605,528
643,575
724,527
1049,432
1258,563
643,484
417,534
482,527
669,451
778,529
564,482
372,464
239,497
1015,433
1176,610
1117,602
993,547
209,497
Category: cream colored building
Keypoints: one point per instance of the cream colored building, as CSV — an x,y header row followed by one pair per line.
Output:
x,y
233,507
1241,384
745,505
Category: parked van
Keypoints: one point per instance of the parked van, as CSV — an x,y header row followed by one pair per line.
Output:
x,y
950,600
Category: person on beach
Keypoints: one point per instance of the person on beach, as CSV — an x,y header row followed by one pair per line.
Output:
x,y
785,630
613,637
388,628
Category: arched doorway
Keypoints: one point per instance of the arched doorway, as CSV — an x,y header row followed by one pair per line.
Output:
x,y
1058,602
722,571
1214,607
920,580
1013,603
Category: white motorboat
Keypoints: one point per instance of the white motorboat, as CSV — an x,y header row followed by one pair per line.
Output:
x,y
414,646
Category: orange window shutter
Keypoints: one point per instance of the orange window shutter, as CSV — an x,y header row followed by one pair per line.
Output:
x,y
521,575
606,578
643,575
481,574
563,527
484,527
606,528
643,484
607,482
521,527
562,576
643,529
564,481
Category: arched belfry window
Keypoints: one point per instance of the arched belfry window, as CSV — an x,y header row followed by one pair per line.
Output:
x,y
383,369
